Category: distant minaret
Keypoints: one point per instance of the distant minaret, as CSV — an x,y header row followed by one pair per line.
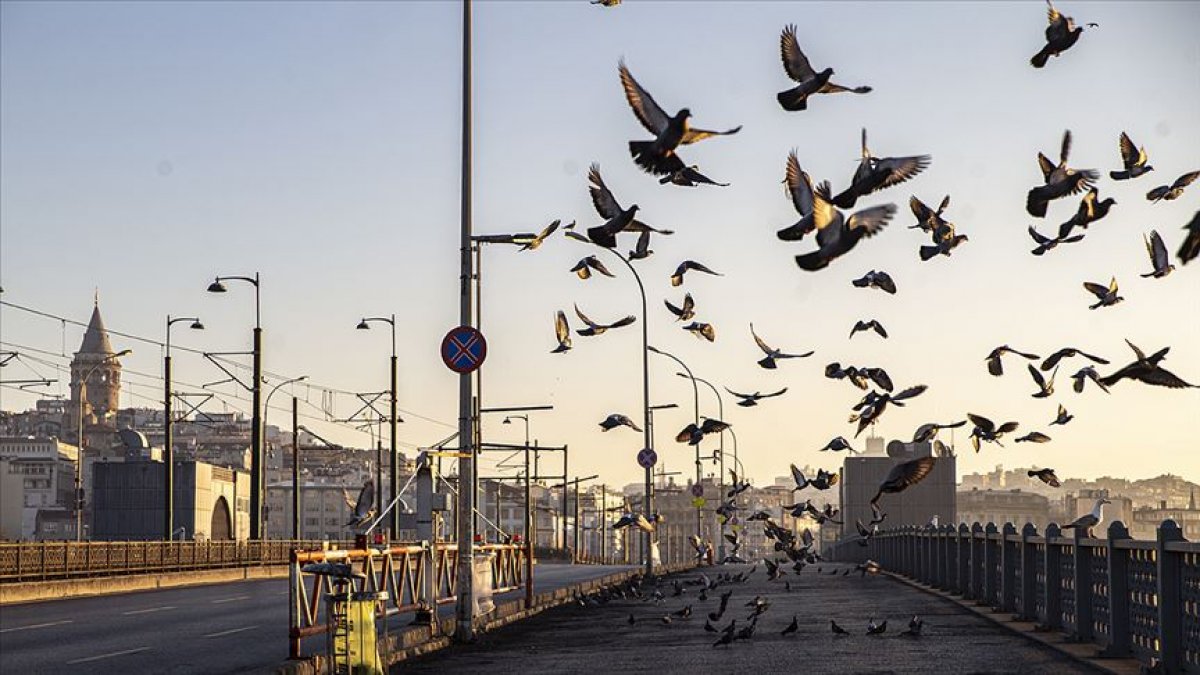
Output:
x,y
1192,500
103,388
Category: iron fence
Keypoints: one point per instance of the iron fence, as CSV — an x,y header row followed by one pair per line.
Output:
x,y
51,560
1132,598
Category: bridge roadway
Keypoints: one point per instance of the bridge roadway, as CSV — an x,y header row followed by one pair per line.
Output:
x,y
573,639
219,628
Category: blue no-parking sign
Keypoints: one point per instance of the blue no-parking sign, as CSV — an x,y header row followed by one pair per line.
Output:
x,y
463,349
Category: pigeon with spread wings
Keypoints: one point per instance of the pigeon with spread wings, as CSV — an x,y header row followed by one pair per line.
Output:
x,y
1174,190
876,173
594,328
809,81
562,332
1146,369
751,400
1061,35
837,235
1134,159
363,508
772,354
1157,251
1106,296
1058,180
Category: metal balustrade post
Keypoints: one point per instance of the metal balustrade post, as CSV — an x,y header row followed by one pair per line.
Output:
x,y
962,557
943,543
976,588
1083,587
989,564
1052,599
1120,641
1008,569
1028,574
1170,609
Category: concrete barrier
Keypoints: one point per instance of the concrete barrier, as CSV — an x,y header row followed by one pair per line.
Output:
x,y
40,591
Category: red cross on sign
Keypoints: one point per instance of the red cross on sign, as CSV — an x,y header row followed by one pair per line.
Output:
x,y
463,349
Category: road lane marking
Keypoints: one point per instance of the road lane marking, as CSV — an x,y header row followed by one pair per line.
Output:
x,y
236,597
230,632
108,656
36,625
149,610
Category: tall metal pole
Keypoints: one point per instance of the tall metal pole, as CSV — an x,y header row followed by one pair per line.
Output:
x,y
478,276
295,469
465,613
564,500
392,441
168,446
604,523
575,557
528,526
256,448
79,463
721,455
696,421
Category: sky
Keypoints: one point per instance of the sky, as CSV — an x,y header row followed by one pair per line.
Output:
x,y
146,147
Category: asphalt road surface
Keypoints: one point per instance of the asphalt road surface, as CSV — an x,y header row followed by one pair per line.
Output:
x,y
574,639
219,628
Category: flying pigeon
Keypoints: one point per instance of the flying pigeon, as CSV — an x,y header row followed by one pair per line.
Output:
x,y
1091,208
594,328
1133,158
1147,370
686,312
641,249
986,431
1106,296
689,176
606,3
995,366
799,187
616,218
945,240
904,475
1060,181
1045,243
658,156
583,269
1063,416
642,522
1061,34
773,354
1089,520
1190,247
881,280
685,266
1045,387
618,420
702,330
869,325
1046,476
562,332
837,235
532,244
1174,190
1087,373
363,508
876,173
928,219
927,432
810,82
837,444
1157,251
751,400
1034,437
1067,352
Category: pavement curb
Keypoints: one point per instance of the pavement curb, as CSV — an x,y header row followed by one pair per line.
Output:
x,y
42,591
1085,653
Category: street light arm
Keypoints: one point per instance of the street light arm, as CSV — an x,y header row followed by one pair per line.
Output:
x,y
267,405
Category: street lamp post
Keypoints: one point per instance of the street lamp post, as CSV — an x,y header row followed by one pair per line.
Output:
x,y
79,454
266,412
696,421
256,426
168,432
720,454
394,481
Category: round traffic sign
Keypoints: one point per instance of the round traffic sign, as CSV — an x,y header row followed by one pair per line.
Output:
x,y
647,458
463,349
697,490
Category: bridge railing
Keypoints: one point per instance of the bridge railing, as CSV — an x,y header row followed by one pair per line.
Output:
x,y
52,560
1132,598
402,571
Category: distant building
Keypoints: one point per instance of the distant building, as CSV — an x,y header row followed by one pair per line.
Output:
x,y
211,502
99,395
12,501
1082,502
1146,520
1003,506
917,505
323,508
46,467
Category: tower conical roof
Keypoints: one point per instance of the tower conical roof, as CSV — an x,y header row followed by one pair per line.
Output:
x,y
95,338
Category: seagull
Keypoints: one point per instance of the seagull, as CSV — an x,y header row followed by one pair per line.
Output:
x,y
562,332
791,627
1190,247
1147,370
837,235
1045,243
1046,476
1045,387
583,269
594,328
1088,373
618,420
1174,190
837,630
685,266
986,431
616,218
532,244
1089,520
837,444
686,312
799,187
363,508
658,156
751,400
869,325
810,82
876,629
773,354
876,173
881,280
1061,34
1060,181
927,432
1091,208
994,365
1158,256
702,330
904,475
1106,296
689,176
1067,352
1134,159
1063,416
1034,437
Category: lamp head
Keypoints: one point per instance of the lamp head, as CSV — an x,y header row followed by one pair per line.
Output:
x,y
196,325
507,420
363,325
216,287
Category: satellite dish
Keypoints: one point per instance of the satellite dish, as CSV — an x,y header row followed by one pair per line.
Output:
x,y
897,449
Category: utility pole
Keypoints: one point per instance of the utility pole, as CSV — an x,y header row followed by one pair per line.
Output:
x,y
295,468
604,524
